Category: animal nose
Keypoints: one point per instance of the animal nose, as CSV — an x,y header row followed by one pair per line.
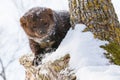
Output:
x,y
40,32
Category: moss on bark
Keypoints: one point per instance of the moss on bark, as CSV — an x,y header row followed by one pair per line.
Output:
x,y
100,18
113,52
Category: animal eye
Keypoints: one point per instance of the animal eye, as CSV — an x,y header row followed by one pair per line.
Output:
x,y
45,24
34,27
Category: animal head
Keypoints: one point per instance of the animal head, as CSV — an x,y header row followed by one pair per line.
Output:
x,y
38,22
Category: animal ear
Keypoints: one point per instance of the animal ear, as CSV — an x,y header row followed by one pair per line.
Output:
x,y
50,12
22,21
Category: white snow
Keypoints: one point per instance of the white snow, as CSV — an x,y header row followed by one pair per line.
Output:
x,y
86,56
116,4
111,72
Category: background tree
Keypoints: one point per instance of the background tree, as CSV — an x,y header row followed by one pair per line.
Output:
x,y
100,18
2,73
3,68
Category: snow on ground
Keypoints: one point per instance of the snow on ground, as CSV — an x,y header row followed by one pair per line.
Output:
x,y
14,43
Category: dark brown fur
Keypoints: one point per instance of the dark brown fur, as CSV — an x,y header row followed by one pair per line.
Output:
x,y
45,28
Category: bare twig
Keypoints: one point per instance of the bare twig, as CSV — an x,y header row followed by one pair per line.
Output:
x,y
2,73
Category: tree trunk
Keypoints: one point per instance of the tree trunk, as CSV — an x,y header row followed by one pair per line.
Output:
x,y
56,70
100,18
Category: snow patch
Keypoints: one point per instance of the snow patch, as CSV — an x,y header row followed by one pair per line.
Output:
x,y
82,47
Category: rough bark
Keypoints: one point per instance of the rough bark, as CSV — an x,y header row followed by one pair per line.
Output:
x,y
100,18
56,70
